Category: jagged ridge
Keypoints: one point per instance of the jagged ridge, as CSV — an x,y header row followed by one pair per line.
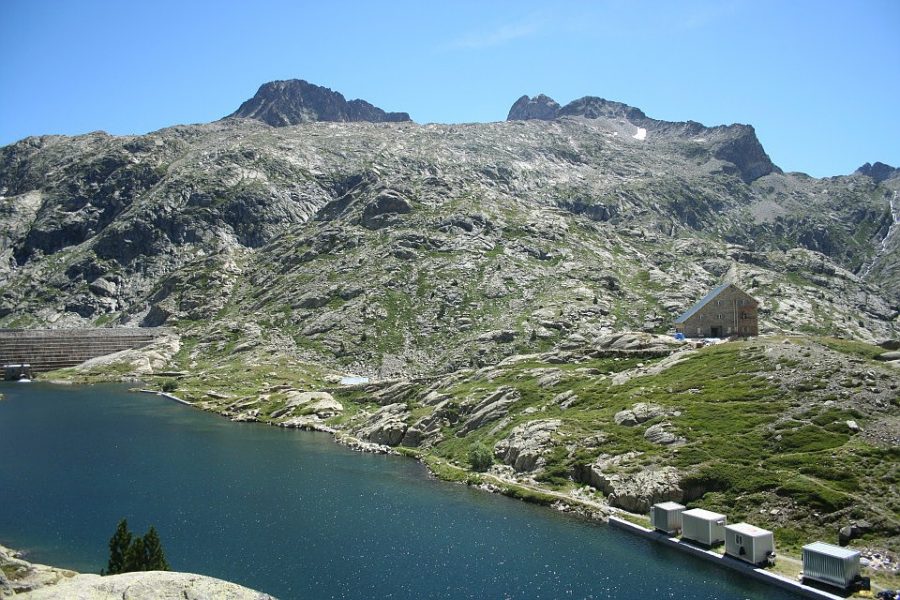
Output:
x,y
284,103
736,144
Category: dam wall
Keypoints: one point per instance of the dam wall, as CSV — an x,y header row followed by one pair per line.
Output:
x,y
49,349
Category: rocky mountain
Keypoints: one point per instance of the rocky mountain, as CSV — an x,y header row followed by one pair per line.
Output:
x,y
486,275
397,248
284,103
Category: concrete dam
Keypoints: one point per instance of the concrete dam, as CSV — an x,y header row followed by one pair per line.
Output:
x,y
31,351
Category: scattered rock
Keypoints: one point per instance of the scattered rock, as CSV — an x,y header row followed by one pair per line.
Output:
x,y
387,426
639,413
102,287
493,407
661,434
526,444
389,203
501,337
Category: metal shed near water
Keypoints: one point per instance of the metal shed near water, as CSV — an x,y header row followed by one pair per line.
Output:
x,y
703,526
666,516
830,564
749,543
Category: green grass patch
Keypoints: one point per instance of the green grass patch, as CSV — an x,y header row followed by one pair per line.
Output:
x,y
809,438
851,347
813,494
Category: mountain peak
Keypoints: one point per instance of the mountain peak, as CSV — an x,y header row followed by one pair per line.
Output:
x,y
293,101
540,107
878,171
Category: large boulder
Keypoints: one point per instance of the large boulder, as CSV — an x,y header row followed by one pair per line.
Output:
x,y
634,492
526,445
491,408
386,426
639,413
381,211
662,434
321,404
636,341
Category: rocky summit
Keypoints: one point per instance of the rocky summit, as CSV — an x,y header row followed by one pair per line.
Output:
x,y
509,285
284,103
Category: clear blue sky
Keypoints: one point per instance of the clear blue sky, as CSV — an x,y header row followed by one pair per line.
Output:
x,y
820,80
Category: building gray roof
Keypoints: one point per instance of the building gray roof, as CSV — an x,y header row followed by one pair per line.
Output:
x,y
703,302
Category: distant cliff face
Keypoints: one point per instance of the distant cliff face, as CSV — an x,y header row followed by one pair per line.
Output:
x,y
283,103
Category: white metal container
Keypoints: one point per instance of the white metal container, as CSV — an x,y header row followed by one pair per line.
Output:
x,y
703,526
749,543
830,564
666,517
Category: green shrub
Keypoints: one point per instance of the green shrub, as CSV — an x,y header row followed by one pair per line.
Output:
x,y
480,457
169,386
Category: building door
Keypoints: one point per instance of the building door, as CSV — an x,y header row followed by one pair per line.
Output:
x,y
715,332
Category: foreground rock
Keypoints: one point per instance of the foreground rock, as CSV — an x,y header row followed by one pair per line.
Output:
x,y
22,579
149,585
18,576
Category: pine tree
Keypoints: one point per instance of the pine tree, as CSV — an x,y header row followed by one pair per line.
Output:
x,y
153,552
128,553
119,545
134,558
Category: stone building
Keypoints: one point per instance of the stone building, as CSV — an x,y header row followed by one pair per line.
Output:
x,y
725,311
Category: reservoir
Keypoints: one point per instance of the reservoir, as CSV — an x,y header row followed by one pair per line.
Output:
x,y
293,514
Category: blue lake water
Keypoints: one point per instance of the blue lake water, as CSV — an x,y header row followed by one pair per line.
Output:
x,y
293,514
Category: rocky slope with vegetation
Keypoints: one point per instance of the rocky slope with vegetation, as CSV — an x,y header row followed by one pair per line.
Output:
x,y
505,285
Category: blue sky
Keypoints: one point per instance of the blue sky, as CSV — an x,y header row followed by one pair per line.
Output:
x,y
820,80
